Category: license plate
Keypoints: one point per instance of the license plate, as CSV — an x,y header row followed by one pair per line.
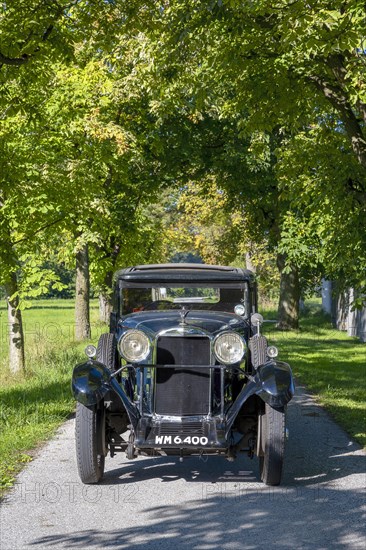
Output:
x,y
181,440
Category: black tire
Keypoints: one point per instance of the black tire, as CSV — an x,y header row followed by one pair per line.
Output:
x,y
272,442
90,442
107,351
90,429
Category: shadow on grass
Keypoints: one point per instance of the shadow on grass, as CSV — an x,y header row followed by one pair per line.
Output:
x,y
58,306
36,393
53,307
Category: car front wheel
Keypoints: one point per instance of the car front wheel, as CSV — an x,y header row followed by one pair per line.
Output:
x,y
90,442
272,441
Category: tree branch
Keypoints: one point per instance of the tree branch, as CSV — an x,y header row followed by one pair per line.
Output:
x,y
4,60
24,58
352,126
46,226
336,62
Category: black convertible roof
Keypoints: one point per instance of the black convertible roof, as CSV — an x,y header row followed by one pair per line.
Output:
x,y
178,273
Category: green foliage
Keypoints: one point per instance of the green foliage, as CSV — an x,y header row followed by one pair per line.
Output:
x,y
201,222
268,54
103,104
75,170
325,229
288,79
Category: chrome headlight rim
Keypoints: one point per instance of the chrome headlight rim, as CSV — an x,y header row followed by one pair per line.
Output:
x,y
240,339
137,358
240,310
272,352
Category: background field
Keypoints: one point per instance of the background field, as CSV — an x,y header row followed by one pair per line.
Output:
x,y
34,404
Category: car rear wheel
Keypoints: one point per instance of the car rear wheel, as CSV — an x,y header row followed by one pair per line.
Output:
x,y
272,442
90,442
107,351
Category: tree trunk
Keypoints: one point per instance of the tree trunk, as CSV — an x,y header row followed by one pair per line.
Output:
x,y
105,298
342,309
105,307
248,262
352,314
289,303
82,295
361,326
15,327
327,296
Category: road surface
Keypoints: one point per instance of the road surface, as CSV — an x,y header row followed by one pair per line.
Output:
x,y
202,503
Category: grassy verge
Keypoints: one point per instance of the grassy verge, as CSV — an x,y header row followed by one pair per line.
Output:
x,y
35,403
330,363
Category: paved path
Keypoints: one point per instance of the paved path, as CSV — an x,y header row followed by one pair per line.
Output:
x,y
200,503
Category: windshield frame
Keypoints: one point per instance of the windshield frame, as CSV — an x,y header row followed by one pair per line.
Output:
x,y
243,286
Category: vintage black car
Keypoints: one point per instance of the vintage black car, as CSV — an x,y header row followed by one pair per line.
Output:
x,y
183,371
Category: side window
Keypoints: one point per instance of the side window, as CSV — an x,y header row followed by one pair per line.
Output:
x,y
229,297
134,299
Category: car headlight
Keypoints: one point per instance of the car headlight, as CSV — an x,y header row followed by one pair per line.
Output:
x,y
272,352
239,309
134,346
229,348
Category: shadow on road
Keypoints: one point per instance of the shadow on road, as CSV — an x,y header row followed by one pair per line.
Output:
x,y
222,504
314,453
252,520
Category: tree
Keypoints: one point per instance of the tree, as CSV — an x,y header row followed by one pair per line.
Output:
x,y
39,167
282,60
322,180
87,171
201,222
278,70
25,210
100,115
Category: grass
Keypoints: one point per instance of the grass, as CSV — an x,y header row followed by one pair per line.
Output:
x,y
35,403
331,364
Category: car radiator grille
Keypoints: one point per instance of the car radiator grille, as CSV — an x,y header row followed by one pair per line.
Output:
x,y
180,391
180,428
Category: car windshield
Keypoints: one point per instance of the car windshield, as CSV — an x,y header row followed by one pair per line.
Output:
x,y
169,298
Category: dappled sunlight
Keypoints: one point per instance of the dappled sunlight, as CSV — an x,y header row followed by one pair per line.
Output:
x,y
202,502
248,521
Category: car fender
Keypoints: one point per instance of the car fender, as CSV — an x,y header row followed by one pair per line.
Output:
x,y
273,383
92,380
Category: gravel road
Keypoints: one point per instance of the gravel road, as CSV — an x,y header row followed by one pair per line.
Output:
x,y
202,503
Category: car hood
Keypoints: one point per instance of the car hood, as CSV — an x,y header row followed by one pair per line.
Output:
x,y
209,321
